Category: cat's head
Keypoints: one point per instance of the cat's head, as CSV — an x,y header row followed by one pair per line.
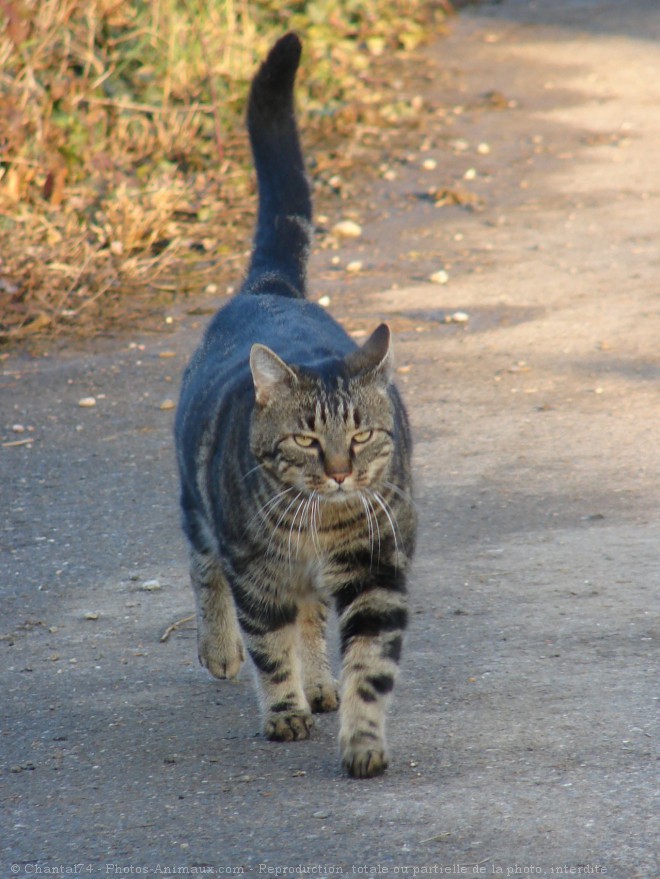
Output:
x,y
331,430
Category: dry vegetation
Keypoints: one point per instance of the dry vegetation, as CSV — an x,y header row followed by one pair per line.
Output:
x,y
124,178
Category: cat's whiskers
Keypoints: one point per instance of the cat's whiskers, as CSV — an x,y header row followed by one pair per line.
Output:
x,y
309,523
269,506
402,494
385,507
369,526
304,520
376,523
316,514
250,471
300,507
371,521
311,514
279,521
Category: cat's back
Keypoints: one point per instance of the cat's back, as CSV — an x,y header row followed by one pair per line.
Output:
x,y
218,376
299,331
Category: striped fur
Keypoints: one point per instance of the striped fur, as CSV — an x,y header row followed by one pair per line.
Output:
x,y
294,455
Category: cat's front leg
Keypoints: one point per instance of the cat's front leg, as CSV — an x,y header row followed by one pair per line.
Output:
x,y
373,617
219,643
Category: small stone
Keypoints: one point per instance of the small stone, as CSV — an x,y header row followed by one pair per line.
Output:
x,y
166,354
429,164
439,277
459,145
458,317
167,404
92,615
470,174
87,402
347,229
116,248
18,428
151,585
211,289
483,149
324,301
320,814
354,267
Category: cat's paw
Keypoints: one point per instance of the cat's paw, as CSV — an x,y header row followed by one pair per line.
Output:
x,y
289,726
364,759
222,660
323,697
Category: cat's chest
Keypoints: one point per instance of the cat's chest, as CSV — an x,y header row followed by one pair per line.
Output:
x,y
310,544
321,535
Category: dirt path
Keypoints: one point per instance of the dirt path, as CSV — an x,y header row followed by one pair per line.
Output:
x,y
525,727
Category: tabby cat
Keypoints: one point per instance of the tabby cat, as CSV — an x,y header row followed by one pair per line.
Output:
x,y
294,456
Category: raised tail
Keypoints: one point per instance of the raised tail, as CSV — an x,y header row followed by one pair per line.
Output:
x,y
284,221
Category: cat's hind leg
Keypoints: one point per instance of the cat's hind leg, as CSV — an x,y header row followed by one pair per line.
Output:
x,y
272,635
219,643
276,656
320,687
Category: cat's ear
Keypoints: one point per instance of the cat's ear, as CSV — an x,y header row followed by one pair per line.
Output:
x,y
373,361
269,373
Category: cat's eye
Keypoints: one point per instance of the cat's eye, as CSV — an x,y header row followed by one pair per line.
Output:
x,y
362,437
303,440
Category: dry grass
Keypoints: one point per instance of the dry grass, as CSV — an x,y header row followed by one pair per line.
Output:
x,y
123,169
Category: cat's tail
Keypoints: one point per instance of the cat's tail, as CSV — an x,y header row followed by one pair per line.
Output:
x,y
284,222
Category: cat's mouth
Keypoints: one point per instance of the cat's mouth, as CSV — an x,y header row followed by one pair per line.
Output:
x,y
334,492
329,488
338,492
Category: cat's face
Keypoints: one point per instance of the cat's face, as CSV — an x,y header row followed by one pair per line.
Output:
x,y
332,433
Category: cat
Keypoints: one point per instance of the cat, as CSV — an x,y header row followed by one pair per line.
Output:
x,y
294,449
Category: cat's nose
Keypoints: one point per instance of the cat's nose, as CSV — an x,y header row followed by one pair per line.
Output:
x,y
338,469
339,476
337,466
